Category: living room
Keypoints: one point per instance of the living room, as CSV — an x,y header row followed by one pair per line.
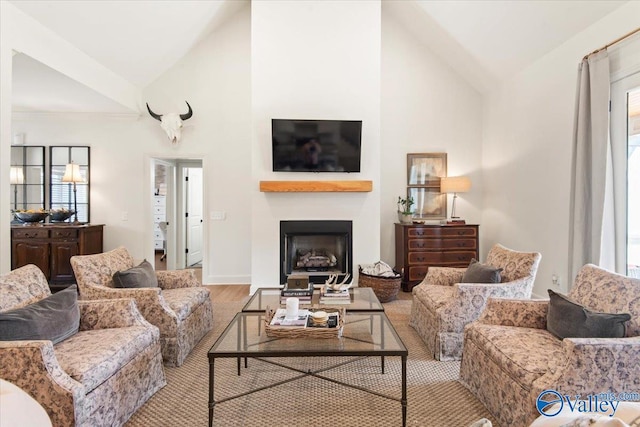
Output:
x,y
385,63
231,85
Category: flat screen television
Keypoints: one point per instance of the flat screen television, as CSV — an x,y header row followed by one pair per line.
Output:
x,y
316,145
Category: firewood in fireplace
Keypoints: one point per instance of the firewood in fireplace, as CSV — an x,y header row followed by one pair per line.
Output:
x,y
315,258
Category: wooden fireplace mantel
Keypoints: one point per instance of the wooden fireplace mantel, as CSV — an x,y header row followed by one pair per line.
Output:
x,y
315,186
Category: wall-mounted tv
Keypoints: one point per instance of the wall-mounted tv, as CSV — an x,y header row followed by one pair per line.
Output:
x,y
316,145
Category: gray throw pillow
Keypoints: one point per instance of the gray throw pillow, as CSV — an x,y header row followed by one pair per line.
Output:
x,y
54,318
481,273
568,319
141,276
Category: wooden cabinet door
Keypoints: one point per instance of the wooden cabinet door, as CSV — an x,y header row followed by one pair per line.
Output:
x,y
31,252
61,253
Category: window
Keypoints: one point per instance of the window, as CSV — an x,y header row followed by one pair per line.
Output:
x,y
625,138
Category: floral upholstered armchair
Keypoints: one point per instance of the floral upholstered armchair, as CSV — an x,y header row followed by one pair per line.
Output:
x,y
99,374
180,306
511,357
442,306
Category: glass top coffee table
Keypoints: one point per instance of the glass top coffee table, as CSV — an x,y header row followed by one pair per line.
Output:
x,y
364,334
362,299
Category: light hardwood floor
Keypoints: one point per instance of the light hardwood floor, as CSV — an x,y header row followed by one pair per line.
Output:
x,y
219,293
229,293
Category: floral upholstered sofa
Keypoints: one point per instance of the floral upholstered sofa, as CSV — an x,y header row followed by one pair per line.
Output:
x,y
442,306
98,376
510,357
180,306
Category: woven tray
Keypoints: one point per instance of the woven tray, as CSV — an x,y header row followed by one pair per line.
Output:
x,y
308,332
385,288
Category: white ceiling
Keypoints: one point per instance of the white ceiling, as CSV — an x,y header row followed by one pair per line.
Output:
x,y
485,41
506,36
38,88
138,40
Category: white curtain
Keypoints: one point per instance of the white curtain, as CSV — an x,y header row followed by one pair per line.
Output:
x,y
590,163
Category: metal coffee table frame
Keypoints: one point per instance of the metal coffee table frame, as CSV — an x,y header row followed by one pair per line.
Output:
x,y
245,337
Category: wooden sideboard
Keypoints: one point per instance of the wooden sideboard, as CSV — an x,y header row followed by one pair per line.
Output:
x,y
419,247
51,246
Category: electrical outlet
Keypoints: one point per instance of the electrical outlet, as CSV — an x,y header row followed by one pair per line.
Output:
x,y
124,216
555,280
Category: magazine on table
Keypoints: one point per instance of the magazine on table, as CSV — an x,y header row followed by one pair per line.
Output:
x,y
280,318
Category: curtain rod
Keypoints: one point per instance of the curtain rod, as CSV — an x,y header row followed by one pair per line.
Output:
x,y
619,39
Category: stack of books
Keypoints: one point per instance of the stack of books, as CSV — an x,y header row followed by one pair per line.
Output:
x,y
303,294
329,296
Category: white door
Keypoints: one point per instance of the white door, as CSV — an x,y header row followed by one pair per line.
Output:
x,y
193,196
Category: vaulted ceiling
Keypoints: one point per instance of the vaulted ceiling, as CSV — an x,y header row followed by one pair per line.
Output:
x,y
486,41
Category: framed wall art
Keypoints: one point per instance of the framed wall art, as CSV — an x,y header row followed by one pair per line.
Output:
x,y
430,203
426,169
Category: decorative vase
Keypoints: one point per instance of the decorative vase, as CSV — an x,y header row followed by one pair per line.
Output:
x,y
405,218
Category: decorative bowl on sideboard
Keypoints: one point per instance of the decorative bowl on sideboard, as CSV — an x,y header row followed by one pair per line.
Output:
x,y
31,217
60,215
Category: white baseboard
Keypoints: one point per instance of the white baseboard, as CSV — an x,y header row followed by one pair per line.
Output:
x,y
227,280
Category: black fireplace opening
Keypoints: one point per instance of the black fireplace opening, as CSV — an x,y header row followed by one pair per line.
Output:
x,y
316,249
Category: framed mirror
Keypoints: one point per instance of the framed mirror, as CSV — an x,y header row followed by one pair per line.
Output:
x,y
27,177
70,191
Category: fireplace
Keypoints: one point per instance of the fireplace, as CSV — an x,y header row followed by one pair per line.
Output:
x,y
315,249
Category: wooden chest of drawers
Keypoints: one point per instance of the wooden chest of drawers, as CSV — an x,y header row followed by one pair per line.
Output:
x,y
419,247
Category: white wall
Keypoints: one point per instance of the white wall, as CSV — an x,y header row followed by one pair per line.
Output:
x,y
526,154
214,78
314,60
426,108
117,182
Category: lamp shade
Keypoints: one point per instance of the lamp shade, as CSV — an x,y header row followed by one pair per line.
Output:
x,y
455,184
16,176
72,173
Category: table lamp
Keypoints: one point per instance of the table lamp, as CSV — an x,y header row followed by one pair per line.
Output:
x,y
16,177
72,174
455,185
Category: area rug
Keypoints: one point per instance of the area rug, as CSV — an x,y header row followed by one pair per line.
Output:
x,y
435,397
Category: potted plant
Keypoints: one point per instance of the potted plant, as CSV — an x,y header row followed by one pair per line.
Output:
x,y
405,214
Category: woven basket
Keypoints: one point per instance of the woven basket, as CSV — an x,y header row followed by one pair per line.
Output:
x,y
309,332
385,288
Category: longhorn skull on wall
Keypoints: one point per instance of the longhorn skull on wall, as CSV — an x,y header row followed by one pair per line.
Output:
x,y
171,123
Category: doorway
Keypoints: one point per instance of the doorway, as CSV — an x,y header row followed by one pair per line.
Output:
x,y
193,215
177,209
